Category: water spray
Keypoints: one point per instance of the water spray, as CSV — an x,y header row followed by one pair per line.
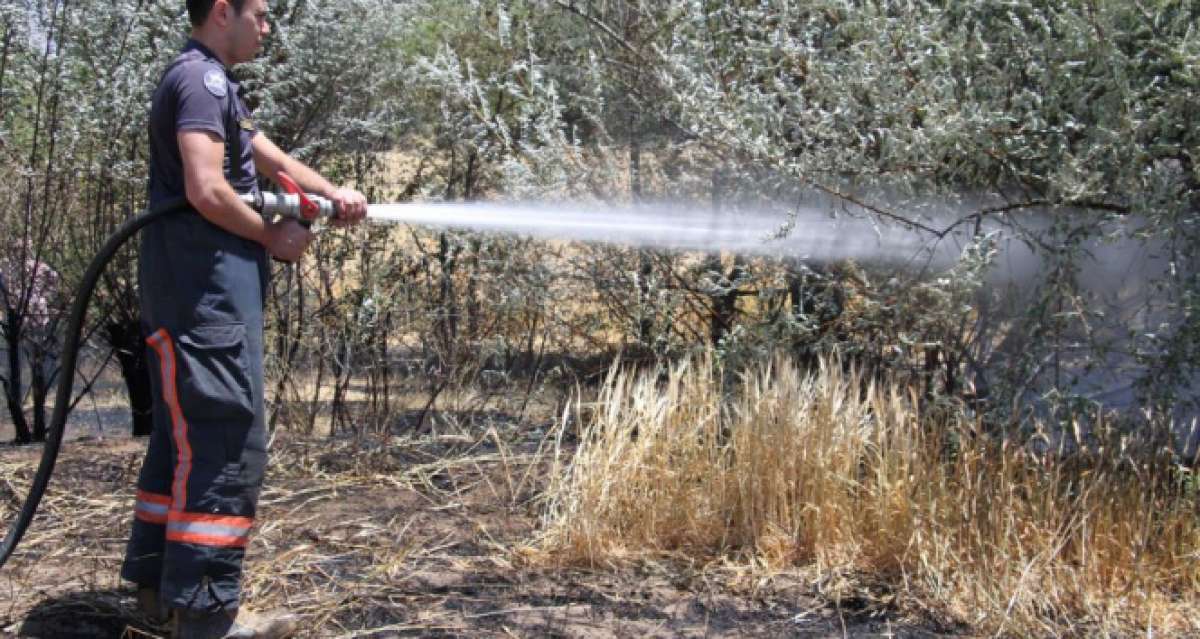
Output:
x,y
800,233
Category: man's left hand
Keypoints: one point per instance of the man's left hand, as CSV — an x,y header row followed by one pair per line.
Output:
x,y
350,206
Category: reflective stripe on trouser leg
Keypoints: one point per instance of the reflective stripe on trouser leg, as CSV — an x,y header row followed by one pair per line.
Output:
x,y
209,530
151,508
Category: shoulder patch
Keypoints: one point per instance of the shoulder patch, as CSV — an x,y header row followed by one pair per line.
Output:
x,y
215,82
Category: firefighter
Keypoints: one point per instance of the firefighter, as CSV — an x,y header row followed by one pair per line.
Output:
x,y
203,276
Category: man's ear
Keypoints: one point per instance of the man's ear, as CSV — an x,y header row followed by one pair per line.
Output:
x,y
222,11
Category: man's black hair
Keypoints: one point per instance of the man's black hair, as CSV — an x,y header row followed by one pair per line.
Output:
x,y
198,10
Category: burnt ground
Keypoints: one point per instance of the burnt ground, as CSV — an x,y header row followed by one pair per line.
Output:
x,y
397,537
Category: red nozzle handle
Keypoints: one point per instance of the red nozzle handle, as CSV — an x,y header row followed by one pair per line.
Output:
x,y
308,209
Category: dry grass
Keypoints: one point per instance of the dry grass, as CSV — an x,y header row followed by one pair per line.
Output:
x,y
843,476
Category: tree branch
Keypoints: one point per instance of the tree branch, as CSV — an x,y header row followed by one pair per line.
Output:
x,y
876,210
596,22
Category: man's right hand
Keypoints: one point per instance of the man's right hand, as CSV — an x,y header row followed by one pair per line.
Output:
x,y
287,240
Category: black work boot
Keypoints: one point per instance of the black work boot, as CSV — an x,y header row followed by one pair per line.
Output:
x,y
151,605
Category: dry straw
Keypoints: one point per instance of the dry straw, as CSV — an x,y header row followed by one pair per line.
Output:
x,y
843,475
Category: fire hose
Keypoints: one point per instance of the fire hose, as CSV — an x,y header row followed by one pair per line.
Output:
x,y
294,203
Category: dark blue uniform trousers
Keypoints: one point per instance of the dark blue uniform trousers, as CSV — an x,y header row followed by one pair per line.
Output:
x,y
202,308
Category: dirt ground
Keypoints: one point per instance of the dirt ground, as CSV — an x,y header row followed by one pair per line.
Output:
x,y
393,537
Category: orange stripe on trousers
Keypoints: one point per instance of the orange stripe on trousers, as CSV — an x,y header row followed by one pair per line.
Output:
x,y
223,541
165,348
149,507
153,498
235,521
150,518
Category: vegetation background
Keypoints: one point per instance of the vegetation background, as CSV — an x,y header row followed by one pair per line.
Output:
x,y
1065,126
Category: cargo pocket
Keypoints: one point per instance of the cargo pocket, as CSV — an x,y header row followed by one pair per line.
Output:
x,y
214,377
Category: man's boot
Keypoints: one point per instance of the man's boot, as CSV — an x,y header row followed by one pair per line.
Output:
x,y
151,605
196,624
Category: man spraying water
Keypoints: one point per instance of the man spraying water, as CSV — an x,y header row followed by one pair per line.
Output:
x,y
203,275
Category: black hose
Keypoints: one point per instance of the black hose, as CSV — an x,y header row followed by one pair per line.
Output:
x,y
70,352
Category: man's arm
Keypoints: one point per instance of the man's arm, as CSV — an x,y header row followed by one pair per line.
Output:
x,y
203,154
269,159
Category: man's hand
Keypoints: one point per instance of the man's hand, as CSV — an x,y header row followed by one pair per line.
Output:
x,y
286,240
350,206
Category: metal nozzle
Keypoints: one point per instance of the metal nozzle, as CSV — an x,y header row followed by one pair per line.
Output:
x,y
270,205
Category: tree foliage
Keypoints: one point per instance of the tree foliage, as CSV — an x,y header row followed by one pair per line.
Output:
x,y
1073,116
1062,127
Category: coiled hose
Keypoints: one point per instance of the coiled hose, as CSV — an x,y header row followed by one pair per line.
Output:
x,y
70,352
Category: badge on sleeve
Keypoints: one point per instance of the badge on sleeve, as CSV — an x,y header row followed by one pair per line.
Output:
x,y
214,81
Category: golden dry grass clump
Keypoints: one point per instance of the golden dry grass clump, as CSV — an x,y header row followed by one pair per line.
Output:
x,y
844,475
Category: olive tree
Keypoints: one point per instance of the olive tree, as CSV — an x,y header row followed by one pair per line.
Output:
x,y
1063,126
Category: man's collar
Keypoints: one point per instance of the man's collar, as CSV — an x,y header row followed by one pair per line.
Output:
x,y
194,44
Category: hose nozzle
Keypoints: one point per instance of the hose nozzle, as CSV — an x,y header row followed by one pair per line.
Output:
x,y
270,205
305,208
